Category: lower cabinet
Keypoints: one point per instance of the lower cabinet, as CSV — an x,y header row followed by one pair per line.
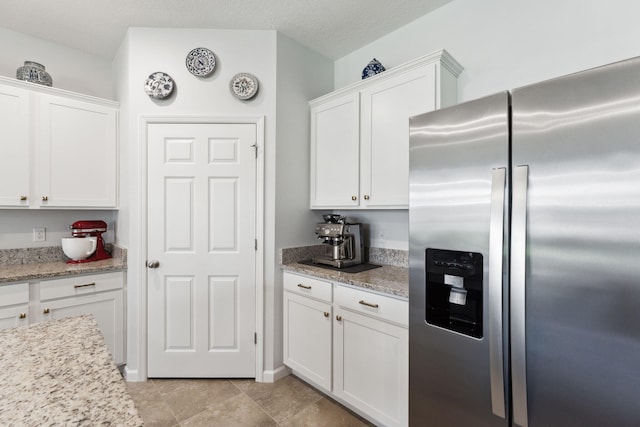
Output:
x,y
98,294
360,356
14,305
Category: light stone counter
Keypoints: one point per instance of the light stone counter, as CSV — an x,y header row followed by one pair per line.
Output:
x,y
391,279
387,279
60,373
17,265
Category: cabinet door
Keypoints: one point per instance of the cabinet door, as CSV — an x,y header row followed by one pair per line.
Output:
x,y
14,316
77,154
386,108
14,146
335,153
307,338
107,308
371,366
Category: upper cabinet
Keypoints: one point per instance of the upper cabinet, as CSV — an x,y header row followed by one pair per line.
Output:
x,y
360,134
58,149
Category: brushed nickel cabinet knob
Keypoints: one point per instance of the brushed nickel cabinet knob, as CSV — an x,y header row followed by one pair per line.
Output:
x,y
366,197
338,318
326,314
354,198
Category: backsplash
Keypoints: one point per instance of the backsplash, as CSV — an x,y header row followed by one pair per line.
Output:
x,y
47,254
373,255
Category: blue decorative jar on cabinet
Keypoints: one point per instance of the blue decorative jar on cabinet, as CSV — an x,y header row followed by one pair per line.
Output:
x,y
374,67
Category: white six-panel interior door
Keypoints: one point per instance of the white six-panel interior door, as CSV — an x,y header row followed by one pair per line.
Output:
x,y
201,230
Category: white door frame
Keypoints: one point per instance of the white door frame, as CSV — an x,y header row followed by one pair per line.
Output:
x,y
145,121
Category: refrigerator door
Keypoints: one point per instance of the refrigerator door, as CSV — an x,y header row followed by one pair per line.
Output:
x,y
576,324
458,205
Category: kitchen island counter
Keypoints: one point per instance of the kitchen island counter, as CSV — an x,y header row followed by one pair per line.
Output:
x,y
388,279
61,373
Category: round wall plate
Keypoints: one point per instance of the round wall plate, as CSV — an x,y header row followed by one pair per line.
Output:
x,y
158,85
244,86
200,62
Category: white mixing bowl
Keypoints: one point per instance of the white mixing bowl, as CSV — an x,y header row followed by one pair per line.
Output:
x,y
79,248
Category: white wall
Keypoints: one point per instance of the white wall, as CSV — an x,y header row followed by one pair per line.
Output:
x,y
70,68
502,44
301,75
16,226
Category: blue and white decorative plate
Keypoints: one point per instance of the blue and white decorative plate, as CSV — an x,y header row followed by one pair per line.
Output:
x,y
200,62
158,85
244,86
374,67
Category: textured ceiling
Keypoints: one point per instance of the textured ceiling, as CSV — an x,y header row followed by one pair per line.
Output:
x,y
330,27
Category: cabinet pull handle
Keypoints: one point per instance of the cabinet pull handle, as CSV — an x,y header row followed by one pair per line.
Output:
x,y
45,311
354,198
326,314
23,315
23,198
368,304
300,285
45,198
338,318
366,197
84,286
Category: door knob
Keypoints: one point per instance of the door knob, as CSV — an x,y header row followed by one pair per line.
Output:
x,y
153,263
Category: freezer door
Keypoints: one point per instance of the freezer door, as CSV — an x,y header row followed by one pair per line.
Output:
x,y
576,322
458,183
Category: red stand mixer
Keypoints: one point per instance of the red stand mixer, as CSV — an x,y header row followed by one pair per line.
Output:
x,y
90,228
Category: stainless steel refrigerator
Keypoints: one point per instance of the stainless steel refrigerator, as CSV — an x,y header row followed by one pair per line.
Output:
x,y
524,300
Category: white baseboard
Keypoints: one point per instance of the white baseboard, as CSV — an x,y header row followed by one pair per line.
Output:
x,y
275,375
132,375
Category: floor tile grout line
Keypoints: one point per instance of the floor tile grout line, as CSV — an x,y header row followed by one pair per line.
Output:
x,y
164,402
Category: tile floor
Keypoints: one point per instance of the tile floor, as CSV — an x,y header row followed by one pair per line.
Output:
x,y
237,402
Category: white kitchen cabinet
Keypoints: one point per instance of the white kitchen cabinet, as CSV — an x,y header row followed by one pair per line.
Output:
x,y
77,153
360,134
307,328
14,146
59,149
335,155
98,294
350,343
371,355
14,305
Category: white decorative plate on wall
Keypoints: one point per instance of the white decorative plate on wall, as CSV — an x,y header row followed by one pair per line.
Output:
x,y
158,85
244,86
200,62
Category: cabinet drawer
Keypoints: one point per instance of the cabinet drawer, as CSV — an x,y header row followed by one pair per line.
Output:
x,y
308,286
17,293
386,308
80,285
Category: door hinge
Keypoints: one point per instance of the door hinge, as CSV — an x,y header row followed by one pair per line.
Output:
x,y
255,338
255,146
255,245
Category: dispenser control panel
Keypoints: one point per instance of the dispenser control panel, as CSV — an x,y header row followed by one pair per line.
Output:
x,y
454,291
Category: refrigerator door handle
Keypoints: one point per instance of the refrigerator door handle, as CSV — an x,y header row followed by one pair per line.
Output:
x,y
496,255
517,281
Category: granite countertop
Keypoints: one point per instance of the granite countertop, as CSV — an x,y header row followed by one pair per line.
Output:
x,y
387,279
60,373
48,270
35,264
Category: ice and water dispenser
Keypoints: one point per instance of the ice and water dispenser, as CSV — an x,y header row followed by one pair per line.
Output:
x,y
454,291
